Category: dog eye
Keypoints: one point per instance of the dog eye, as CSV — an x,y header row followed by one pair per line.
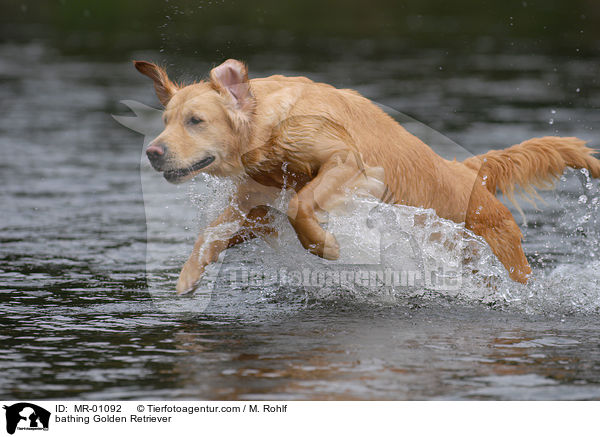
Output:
x,y
195,120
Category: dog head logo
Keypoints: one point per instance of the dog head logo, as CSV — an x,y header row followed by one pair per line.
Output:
x,y
26,416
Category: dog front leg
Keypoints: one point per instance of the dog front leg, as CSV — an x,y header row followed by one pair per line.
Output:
x,y
314,196
232,227
207,248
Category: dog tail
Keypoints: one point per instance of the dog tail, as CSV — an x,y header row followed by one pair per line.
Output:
x,y
535,163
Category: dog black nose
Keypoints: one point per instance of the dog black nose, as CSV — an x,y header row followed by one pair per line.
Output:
x,y
156,153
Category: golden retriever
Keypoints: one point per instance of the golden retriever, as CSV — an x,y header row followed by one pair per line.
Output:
x,y
320,141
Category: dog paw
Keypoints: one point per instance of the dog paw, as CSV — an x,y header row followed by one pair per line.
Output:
x,y
189,278
521,274
328,249
331,248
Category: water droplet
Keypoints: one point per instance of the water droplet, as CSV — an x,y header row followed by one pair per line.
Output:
x,y
551,121
577,90
582,199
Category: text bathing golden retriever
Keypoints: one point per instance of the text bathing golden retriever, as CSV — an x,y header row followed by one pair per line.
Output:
x,y
321,141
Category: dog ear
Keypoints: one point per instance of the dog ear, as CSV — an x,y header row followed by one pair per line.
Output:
x,y
231,79
162,84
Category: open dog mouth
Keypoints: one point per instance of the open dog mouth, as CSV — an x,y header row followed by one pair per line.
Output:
x,y
177,174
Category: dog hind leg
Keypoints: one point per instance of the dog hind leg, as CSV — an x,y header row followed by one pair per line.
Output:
x,y
490,219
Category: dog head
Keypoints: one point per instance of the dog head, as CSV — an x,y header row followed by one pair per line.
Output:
x,y
207,124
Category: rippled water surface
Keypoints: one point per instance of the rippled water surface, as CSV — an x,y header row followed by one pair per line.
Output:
x,y
77,320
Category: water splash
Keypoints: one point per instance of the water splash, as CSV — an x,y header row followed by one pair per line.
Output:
x,y
375,238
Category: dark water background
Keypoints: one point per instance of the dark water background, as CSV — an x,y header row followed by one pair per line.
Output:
x,y
76,320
